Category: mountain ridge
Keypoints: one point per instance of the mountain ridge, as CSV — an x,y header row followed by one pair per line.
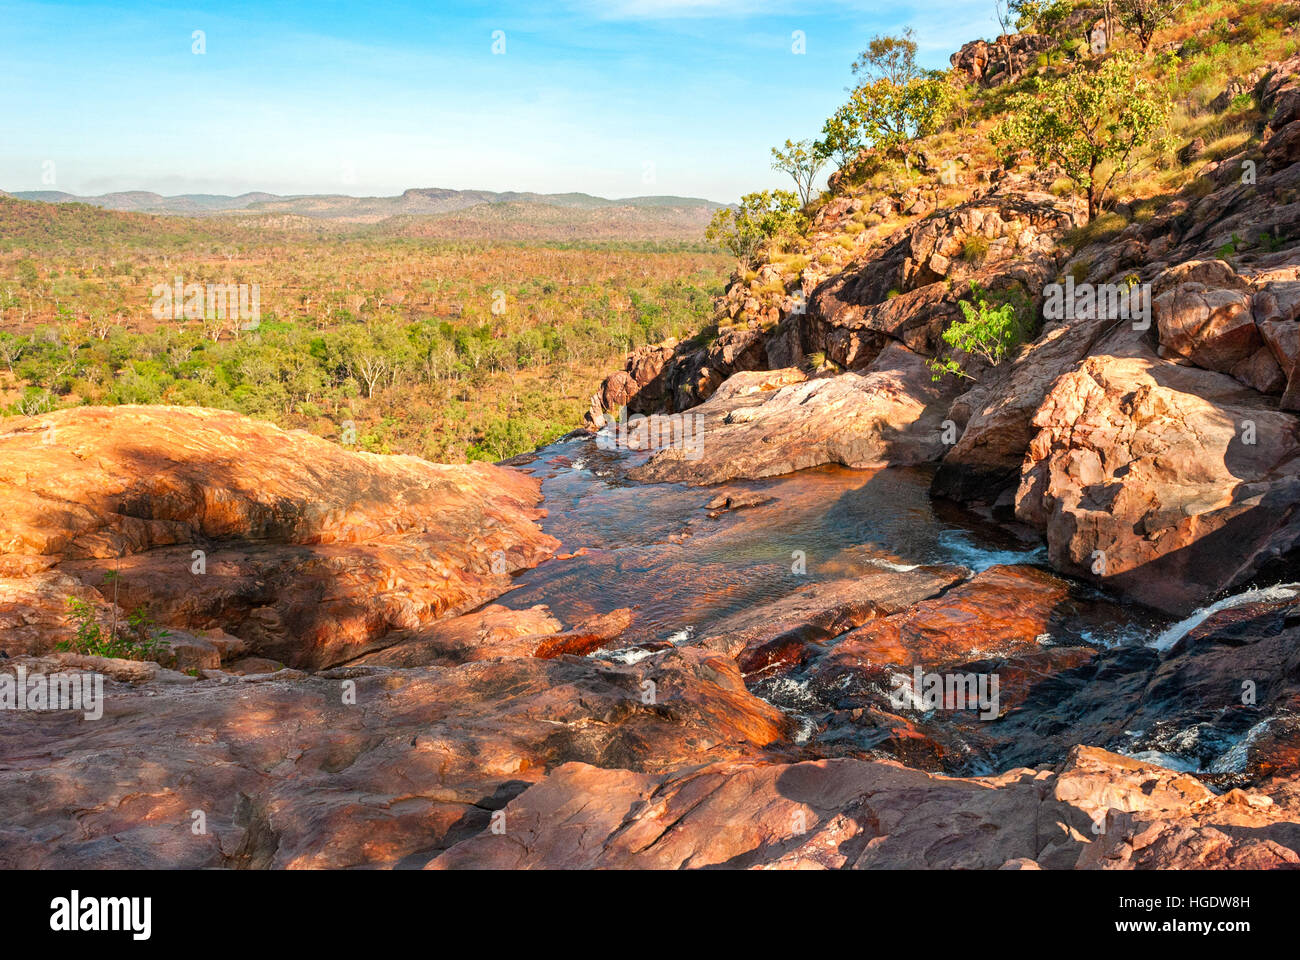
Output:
x,y
413,200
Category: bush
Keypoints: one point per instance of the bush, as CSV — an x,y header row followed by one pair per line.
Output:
x,y
138,640
761,217
988,330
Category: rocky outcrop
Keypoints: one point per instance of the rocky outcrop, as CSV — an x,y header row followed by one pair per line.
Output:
x,y
1168,483
307,552
891,413
1205,316
359,766
1006,59
1095,810
904,290
909,293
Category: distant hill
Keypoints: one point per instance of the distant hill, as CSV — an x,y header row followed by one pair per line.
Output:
x,y
434,211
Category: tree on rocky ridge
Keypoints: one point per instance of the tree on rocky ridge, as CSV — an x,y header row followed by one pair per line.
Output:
x,y
1144,17
801,160
1093,125
760,217
895,103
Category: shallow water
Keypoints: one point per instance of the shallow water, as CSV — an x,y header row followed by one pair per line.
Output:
x,y
653,547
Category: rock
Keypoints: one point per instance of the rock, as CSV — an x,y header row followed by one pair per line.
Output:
x,y
891,413
289,773
855,814
1141,478
996,414
1277,309
1215,329
774,636
34,610
1003,60
898,296
1192,150
250,666
1000,612
492,631
308,552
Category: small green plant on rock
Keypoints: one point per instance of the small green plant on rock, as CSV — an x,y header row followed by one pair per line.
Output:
x,y
139,639
989,330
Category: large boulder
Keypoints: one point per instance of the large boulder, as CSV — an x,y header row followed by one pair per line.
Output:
x,y
890,413
1168,483
306,551
1211,323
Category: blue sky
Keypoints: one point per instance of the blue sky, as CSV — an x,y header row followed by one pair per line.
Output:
x,y
615,98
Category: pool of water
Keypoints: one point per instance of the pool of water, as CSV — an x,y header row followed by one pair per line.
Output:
x,y
655,549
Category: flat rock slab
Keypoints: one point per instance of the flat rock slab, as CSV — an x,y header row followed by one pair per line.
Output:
x,y
351,767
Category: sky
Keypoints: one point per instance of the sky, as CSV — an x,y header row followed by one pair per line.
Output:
x,y
616,98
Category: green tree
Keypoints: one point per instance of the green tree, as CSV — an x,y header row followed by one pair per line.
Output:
x,y
891,116
894,103
889,58
842,136
760,217
801,160
1144,17
1041,16
1093,125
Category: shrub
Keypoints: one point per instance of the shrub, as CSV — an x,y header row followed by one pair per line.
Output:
x,y
139,640
988,330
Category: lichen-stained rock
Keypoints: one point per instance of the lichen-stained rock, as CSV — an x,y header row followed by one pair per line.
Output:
x,y
358,766
304,550
855,814
1167,483
889,414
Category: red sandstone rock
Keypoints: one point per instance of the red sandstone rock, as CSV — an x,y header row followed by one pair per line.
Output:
x,y
836,814
1142,478
310,553
890,414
